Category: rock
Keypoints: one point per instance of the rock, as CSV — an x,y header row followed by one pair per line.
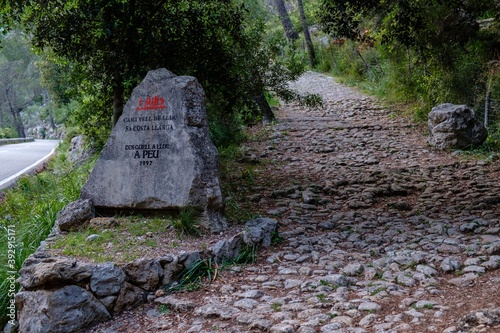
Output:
x,y
129,297
227,249
144,273
68,309
336,280
176,304
215,309
75,215
260,231
400,205
106,280
252,294
48,272
189,259
77,151
450,265
310,198
368,320
494,249
467,280
11,327
353,269
282,328
327,225
171,268
92,237
102,223
425,304
108,302
479,318
159,155
455,127
426,270
246,303
369,306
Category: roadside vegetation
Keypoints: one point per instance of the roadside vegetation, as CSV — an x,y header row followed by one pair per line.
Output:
x,y
30,210
416,55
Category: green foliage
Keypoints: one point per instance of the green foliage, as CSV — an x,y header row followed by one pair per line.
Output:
x,y
115,43
128,237
31,208
412,52
7,133
205,271
247,255
187,222
193,277
19,81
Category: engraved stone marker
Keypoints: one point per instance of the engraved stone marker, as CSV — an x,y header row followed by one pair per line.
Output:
x,y
159,155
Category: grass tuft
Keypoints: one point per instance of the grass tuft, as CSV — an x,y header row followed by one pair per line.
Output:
x,y
187,223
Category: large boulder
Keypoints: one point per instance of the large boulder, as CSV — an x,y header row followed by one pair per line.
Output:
x,y
75,215
68,309
78,153
455,127
159,155
46,272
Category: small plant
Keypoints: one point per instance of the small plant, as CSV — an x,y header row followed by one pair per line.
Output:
x,y
186,223
324,283
248,254
276,307
376,291
322,298
164,309
276,238
192,278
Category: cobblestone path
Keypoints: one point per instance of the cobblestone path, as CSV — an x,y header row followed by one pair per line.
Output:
x,y
380,232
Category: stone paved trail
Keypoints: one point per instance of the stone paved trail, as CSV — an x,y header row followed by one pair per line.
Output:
x,y
380,232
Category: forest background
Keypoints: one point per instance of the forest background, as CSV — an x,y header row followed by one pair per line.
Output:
x,y
67,68
74,63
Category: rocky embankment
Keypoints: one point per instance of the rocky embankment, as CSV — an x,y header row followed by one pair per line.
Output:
x,y
380,233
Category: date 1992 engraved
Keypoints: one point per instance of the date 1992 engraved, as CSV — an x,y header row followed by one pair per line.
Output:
x,y
145,162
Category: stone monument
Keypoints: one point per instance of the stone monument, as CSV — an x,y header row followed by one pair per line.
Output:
x,y
159,156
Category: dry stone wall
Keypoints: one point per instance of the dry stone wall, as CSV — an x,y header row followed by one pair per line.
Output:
x,y
63,295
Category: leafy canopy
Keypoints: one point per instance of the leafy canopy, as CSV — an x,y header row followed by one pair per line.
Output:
x,y
111,44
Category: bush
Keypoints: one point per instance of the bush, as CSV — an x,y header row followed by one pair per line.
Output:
x,y
7,133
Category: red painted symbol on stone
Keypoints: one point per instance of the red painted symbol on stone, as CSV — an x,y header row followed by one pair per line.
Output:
x,y
151,103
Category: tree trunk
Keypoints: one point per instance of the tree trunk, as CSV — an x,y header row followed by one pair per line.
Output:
x,y
46,101
307,36
18,122
267,113
117,102
16,115
290,32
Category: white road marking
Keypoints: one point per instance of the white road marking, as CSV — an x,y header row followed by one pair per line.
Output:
x,y
5,181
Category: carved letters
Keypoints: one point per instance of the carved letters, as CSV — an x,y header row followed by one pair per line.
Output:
x,y
148,152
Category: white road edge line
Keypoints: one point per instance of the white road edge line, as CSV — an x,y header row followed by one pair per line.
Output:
x,y
27,168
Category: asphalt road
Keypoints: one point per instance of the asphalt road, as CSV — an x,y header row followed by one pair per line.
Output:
x,y
17,159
